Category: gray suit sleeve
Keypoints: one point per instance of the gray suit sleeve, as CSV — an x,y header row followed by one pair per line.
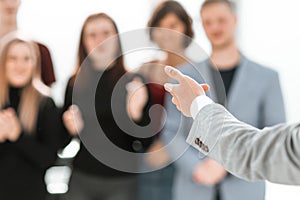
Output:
x,y
271,154
273,111
174,134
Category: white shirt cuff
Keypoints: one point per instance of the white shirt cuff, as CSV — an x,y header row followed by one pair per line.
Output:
x,y
199,103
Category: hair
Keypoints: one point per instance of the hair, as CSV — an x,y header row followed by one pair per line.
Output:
x,y
229,3
30,95
168,7
118,68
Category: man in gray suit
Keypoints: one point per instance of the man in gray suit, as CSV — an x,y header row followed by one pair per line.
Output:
x,y
242,78
270,154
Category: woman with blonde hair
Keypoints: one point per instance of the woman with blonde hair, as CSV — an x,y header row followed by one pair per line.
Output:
x,y
29,122
9,23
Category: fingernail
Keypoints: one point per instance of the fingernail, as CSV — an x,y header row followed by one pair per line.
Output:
x,y
168,69
129,87
168,86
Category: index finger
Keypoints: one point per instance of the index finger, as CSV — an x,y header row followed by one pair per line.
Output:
x,y
174,74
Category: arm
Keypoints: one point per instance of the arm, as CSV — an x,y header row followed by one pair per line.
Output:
x,y
144,120
194,164
272,153
138,107
137,98
41,147
2,147
176,128
65,133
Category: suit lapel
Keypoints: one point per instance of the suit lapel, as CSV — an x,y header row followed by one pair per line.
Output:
x,y
239,84
206,73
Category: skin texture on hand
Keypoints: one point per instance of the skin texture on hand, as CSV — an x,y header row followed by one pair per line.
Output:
x,y
157,157
137,98
73,120
10,125
185,91
3,129
209,173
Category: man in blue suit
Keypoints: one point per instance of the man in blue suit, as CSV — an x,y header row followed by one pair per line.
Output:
x,y
248,90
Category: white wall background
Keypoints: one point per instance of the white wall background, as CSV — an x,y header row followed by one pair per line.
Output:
x,y
269,33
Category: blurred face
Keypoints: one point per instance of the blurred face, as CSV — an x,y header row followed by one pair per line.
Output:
x,y
219,23
19,65
9,8
171,39
98,47
96,32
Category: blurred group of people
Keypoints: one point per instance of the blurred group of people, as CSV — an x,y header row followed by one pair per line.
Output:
x,y
33,129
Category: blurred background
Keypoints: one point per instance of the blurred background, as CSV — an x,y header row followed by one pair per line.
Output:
x,y
268,33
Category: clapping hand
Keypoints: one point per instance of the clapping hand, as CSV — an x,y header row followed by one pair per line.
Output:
x,y
137,98
10,125
209,173
73,120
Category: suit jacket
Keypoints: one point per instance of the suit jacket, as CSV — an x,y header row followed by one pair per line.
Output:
x,y
272,154
254,97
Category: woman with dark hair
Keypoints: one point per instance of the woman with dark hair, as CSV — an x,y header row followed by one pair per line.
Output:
x,y
29,122
170,28
100,54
